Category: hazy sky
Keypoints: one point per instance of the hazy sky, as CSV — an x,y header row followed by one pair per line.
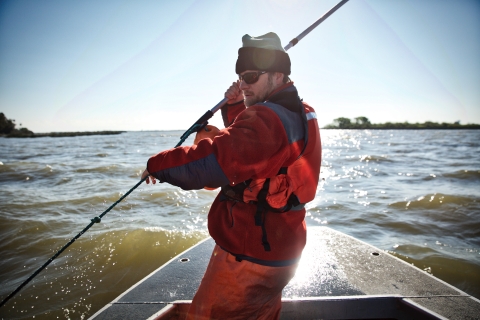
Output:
x,y
72,65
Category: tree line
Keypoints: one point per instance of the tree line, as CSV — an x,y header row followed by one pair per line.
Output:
x,y
7,129
364,123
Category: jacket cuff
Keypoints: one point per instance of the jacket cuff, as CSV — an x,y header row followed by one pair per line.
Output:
x,y
149,169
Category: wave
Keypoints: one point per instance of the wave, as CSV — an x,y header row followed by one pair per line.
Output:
x,y
469,175
30,171
450,267
434,201
25,171
403,227
60,174
100,169
438,215
370,158
110,146
102,155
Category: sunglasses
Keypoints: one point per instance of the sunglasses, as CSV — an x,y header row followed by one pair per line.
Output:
x,y
251,77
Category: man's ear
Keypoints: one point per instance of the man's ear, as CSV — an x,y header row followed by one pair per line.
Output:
x,y
278,78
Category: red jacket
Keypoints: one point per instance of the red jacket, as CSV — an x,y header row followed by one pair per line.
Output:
x,y
257,142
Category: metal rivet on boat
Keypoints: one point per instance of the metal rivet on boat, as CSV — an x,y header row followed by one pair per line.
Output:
x,y
375,253
184,260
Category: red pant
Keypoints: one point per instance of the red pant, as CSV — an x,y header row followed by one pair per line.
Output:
x,y
239,290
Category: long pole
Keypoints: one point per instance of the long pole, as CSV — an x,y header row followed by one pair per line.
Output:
x,y
201,122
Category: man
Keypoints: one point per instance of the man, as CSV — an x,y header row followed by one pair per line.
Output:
x,y
267,161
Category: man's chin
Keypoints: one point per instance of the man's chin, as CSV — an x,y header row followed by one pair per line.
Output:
x,y
249,101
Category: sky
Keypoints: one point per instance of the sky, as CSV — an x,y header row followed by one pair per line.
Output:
x,y
68,65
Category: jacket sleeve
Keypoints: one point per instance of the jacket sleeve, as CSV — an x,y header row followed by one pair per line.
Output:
x,y
231,111
254,146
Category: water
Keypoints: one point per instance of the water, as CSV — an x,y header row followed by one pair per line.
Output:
x,y
412,193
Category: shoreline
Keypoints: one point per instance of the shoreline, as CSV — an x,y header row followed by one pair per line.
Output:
x,y
364,123
60,134
477,127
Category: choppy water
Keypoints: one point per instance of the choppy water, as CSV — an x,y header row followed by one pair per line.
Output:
x,y
413,193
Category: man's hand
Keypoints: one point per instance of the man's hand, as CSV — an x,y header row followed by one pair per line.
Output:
x,y
149,177
234,94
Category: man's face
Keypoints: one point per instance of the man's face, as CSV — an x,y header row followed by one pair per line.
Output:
x,y
258,91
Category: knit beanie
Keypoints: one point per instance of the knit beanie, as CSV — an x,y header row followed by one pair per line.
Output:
x,y
264,53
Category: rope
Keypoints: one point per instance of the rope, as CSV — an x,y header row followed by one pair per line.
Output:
x,y
93,221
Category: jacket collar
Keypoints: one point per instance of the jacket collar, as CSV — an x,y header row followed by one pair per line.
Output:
x,y
281,88
286,96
